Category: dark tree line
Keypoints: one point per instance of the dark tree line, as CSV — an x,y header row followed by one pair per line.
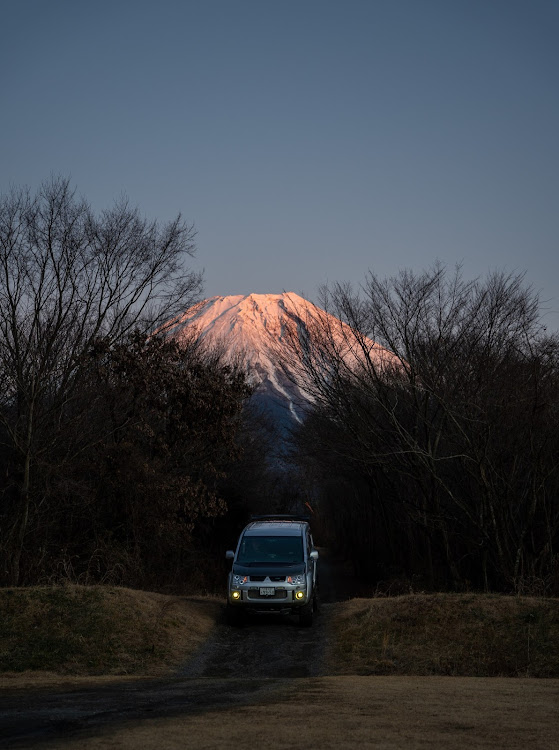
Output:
x,y
115,446
125,457
440,462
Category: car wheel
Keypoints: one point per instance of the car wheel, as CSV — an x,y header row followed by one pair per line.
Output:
x,y
306,615
234,616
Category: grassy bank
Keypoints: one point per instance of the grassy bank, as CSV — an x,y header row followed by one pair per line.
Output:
x,y
86,631
447,634
94,630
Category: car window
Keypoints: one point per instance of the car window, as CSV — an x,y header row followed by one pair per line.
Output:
x,y
270,549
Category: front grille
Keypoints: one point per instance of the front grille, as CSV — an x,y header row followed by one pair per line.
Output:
x,y
255,594
257,578
275,579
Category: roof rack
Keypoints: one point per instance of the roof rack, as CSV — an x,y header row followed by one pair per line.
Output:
x,y
280,517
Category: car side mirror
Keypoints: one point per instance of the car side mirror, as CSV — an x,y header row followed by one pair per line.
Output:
x,y
229,555
314,554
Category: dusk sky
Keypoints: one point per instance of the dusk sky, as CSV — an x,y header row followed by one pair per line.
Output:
x,y
307,140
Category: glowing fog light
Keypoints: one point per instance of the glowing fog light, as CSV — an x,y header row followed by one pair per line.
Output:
x,y
300,595
235,595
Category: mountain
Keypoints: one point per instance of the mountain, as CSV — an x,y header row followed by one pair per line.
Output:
x,y
251,327
258,329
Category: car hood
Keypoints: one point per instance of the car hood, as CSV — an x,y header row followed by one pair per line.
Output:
x,y
279,569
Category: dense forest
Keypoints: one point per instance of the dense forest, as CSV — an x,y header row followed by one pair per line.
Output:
x,y
117,447
435,466
129,458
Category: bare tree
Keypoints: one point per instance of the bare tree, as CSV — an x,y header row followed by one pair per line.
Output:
x,y
461,423
67,277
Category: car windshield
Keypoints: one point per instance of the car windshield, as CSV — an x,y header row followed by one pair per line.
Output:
x,y
270,549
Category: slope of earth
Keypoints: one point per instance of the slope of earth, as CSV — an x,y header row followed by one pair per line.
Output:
x,y
97,630
477,635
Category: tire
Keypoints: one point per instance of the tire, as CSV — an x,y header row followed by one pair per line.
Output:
x,y
316,603
306,615
234,616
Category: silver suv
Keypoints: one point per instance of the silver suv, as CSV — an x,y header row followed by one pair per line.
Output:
x,y
274,569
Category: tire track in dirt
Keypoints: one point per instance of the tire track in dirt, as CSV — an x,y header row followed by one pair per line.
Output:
x,y
267,646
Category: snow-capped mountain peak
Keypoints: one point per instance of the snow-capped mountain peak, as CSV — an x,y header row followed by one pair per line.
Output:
x,y
251,327
259,330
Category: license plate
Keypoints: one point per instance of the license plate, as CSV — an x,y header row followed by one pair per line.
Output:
x,y
267,591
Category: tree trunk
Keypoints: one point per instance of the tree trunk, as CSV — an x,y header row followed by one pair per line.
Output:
x,y
25,496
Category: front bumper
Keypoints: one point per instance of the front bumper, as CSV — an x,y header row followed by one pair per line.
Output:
x,y
283,598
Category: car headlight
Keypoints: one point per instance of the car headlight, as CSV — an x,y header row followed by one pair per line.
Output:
x,y
239,580
298,580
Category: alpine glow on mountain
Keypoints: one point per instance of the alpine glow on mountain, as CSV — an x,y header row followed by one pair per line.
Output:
x,y
259,330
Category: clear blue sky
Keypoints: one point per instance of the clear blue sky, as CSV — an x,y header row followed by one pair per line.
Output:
x,y
307,140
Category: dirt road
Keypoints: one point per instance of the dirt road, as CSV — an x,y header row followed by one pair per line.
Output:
x,y
267,684
332,713
29,718
236,666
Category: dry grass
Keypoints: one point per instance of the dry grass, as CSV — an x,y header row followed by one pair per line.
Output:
x,y
447,634
339,713
98,630
49,633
